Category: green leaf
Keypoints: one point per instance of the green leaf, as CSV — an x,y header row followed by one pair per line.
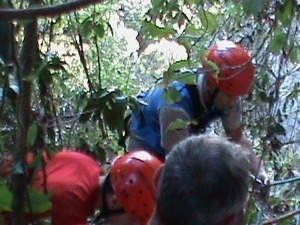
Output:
x,y
134,105
279,129
186,42
209,21
39,202
6,197
159,32
192,2
168,77
179,65
87,111
278,42
285,12
253,6
86,27
113,114
295,54
178,124
99,30
213,68
171,95
187,77
157,3
32,134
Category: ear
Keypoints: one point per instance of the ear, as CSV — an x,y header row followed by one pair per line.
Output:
x,y
234,219
113,202
154,220
156,178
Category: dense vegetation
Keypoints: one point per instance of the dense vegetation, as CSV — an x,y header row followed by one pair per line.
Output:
x,y
68,79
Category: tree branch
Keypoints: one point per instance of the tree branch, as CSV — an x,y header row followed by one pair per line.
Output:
x,y
285,216
45,11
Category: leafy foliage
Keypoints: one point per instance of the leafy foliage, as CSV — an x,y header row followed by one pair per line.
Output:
x,y
85,76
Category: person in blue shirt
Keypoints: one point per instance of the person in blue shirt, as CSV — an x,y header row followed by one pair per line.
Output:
x,y
219,90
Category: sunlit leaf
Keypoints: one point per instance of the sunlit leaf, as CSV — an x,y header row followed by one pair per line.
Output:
x,y
179,65
171,95
187,77
178,124
159,32
213,68
208,21
168,77
186,42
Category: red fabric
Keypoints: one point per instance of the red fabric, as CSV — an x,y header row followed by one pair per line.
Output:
x,y
73,180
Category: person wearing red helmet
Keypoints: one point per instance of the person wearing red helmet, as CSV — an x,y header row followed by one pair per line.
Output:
x,y
132,178
226,76
79,187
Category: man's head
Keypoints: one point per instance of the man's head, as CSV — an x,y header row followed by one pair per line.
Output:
x,y
131,178
204,182
229,67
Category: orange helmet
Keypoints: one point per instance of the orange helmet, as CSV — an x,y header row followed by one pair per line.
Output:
x,y
236,71
132,177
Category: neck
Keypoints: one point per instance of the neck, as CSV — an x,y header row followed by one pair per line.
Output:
x,y
154,219
207,91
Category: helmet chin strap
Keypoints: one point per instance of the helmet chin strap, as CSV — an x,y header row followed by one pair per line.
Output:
x,y
108,189
206,86
212,92
212,97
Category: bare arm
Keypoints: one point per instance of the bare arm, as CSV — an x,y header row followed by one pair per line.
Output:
x,y
237,136
167,116
232,122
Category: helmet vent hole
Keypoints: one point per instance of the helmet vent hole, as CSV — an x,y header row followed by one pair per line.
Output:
x,y
131,181
145,205
140,192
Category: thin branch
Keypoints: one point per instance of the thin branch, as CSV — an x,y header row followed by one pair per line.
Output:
x,y
44,11
280,218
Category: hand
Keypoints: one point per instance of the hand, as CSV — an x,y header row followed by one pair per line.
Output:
x,y
261,186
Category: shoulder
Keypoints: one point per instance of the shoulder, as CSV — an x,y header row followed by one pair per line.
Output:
x,y
67,156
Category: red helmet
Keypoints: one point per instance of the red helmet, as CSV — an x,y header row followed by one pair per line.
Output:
x,y
132,177
236,71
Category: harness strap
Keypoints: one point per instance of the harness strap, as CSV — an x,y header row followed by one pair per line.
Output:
x,y
199,112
